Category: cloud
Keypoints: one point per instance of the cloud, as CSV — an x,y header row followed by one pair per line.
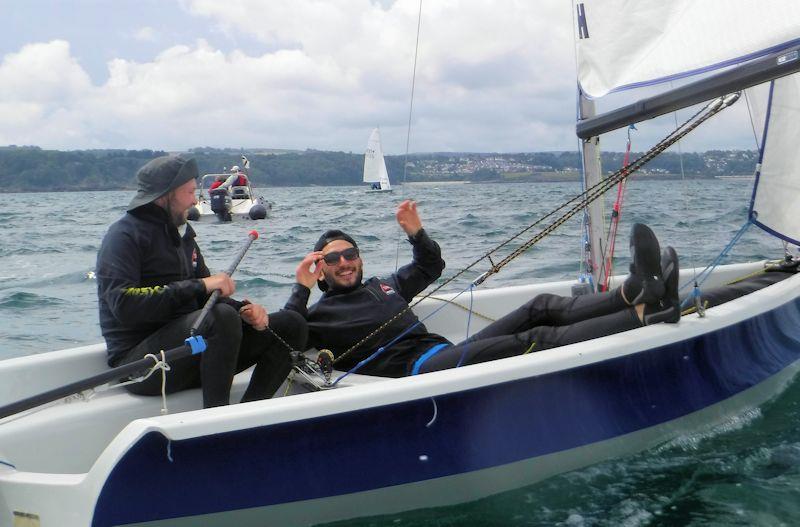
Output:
x,y
490,77
145,34
42,73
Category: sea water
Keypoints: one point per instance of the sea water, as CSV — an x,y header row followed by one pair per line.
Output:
x,y
744,473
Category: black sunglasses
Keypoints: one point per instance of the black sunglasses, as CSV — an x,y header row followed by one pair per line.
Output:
x,y
332,258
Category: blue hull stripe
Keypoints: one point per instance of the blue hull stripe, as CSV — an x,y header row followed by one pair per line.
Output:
x,y
474,429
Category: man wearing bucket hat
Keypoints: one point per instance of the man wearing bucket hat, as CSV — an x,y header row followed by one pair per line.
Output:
x,y
152,282
367,327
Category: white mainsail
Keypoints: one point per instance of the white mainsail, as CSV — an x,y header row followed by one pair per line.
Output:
x,y
374,164
774,208
623,44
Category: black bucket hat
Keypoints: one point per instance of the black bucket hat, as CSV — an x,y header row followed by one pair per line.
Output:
x,y
326,238
160,176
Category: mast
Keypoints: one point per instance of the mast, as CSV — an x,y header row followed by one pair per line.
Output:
x,y
592,174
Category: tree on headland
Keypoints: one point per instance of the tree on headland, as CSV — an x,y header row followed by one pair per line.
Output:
x,y
30,168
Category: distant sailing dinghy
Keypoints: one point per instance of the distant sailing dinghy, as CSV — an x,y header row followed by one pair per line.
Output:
x,y
375,166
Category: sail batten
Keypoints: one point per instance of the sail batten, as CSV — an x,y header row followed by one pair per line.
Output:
x,y
622,45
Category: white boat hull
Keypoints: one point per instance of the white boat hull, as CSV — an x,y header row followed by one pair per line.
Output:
x,y
240,209
384,446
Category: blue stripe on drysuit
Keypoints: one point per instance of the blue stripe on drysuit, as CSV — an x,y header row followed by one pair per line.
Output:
x,y
428,354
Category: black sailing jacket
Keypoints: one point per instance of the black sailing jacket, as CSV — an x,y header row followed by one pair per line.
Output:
x,y
340,319
147,275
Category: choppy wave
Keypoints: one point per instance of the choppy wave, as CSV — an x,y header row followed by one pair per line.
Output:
x,y
51,281
23,300
692,441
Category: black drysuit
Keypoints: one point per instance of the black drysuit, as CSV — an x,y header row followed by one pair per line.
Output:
x,y
150,292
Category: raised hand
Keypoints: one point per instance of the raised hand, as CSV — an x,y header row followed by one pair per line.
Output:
x,y
408,218
304,275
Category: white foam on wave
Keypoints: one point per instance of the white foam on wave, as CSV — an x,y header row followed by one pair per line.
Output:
x,y
692,441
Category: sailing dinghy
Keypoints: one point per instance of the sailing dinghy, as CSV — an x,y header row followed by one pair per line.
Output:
x,y
375,165
365,446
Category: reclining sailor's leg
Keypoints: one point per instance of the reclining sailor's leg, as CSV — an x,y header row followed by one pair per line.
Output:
x,y
532,340
491,343
553,310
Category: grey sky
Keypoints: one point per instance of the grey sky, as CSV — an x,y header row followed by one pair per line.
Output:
x,y
492,76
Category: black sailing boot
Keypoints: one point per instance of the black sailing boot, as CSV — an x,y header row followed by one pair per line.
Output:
x,y
668,309
644,285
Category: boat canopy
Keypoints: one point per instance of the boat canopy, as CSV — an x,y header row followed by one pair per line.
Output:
x,y
623,45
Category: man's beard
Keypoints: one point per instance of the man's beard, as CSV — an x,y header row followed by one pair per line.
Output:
x,y
178,218
336,286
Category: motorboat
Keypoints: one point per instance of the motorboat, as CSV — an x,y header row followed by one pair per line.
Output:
x,y
237,202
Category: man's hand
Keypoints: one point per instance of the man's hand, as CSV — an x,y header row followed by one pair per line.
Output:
x,y
408,218
220,281
304,275
255,315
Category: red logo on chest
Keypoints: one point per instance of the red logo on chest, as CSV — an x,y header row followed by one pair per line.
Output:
x,y
386,289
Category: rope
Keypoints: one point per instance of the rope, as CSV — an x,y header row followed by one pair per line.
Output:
x,y
403,333
684,193
469,319
159,364
752,122
465,308
408,129
289,382
580,201
611,239
163,367
278,337
703,275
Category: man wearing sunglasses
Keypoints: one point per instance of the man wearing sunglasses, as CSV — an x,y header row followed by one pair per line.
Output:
x,y
352,309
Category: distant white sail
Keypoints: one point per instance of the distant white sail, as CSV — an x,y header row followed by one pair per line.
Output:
x,y
374,164
623,44
777,189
